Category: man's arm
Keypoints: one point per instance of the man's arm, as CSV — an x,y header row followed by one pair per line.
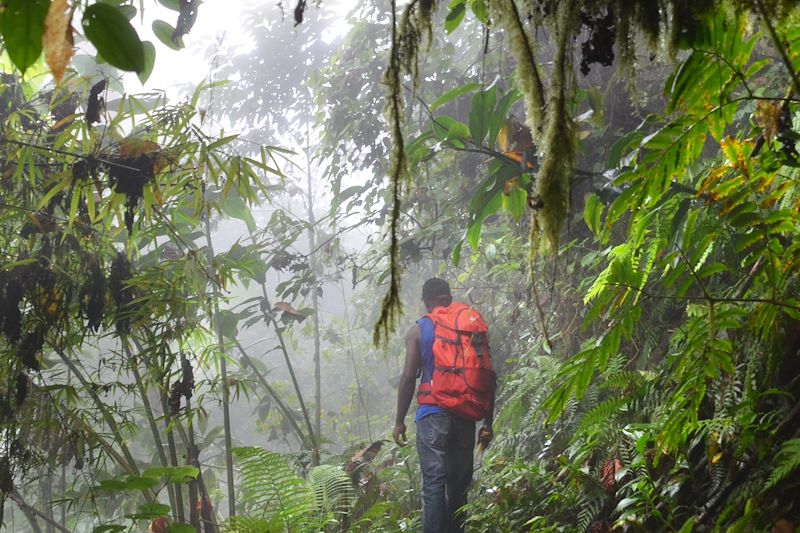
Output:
x,y
486,432
405,389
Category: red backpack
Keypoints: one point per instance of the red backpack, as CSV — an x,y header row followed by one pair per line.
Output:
x,y
463,381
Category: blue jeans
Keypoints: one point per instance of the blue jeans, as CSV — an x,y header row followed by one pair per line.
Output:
x,y
445,445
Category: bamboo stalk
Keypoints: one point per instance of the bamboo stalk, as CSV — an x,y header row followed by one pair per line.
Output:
x,y
226,415
151,421
112,424
312,245
287,413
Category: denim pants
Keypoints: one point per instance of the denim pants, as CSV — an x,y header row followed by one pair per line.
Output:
x,y
445,445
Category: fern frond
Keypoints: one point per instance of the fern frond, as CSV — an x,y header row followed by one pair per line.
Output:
x,y
601,415
786,463
270,490
247,524
589,510
333,490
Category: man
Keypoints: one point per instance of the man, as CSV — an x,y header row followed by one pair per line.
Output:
x,y
444,441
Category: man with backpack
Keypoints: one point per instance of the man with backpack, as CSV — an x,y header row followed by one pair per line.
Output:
x,y
448,350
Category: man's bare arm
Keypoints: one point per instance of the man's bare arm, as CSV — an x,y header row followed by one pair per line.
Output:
x,y
405,389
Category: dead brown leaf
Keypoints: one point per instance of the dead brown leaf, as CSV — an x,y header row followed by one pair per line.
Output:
x,y
134,146
57,39
287,309
767,117
608,474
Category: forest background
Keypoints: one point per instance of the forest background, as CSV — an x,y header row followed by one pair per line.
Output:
x,y
189,314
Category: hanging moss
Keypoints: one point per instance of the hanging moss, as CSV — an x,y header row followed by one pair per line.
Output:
x,y
558,143
391,306
507,15
547,93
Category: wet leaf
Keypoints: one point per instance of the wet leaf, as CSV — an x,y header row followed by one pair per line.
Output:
x,y
164,31
108,29
22,28
149,61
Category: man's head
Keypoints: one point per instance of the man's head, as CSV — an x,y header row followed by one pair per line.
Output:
x,y
436,292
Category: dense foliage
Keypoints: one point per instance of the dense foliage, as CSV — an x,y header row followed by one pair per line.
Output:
x,y
648,345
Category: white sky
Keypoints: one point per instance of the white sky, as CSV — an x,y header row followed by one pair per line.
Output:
x,y
217,20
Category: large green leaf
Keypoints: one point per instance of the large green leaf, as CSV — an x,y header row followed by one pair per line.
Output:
x,y
455,15
490,208
108,29
480,116
149,61
498,118
22,29
452,94
234,207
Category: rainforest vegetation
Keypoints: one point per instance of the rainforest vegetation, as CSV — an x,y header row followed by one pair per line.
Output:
x,y
203,293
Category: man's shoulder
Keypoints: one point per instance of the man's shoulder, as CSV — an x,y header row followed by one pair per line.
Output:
x,y
413,332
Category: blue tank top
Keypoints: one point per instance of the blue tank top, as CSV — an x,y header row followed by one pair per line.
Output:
x,y
426,351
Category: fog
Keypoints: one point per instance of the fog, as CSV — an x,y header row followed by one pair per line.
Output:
x,y
290,296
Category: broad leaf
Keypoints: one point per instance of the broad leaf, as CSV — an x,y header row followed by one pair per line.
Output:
x,y
108,29
149,61
455,15
23,26
164,31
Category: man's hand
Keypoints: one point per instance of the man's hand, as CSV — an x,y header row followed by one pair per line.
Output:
x,y
485,436
399,434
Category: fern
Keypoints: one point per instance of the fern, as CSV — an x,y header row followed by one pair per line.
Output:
x,y
786,462
247,524
271,492
334,494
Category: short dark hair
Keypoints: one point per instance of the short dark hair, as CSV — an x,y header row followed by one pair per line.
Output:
x,y
435,287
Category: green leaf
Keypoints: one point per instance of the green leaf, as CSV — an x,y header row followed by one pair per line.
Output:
x,y
113,485
480,10
22,29
148,511
174,5
457,130
456,254
109,528
480,116
455,15
116,41
128,10
164,31
452,94
174,474
474,230
234,207
498,118
228,323
222,142
592,212
141,483
515,202
149,60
